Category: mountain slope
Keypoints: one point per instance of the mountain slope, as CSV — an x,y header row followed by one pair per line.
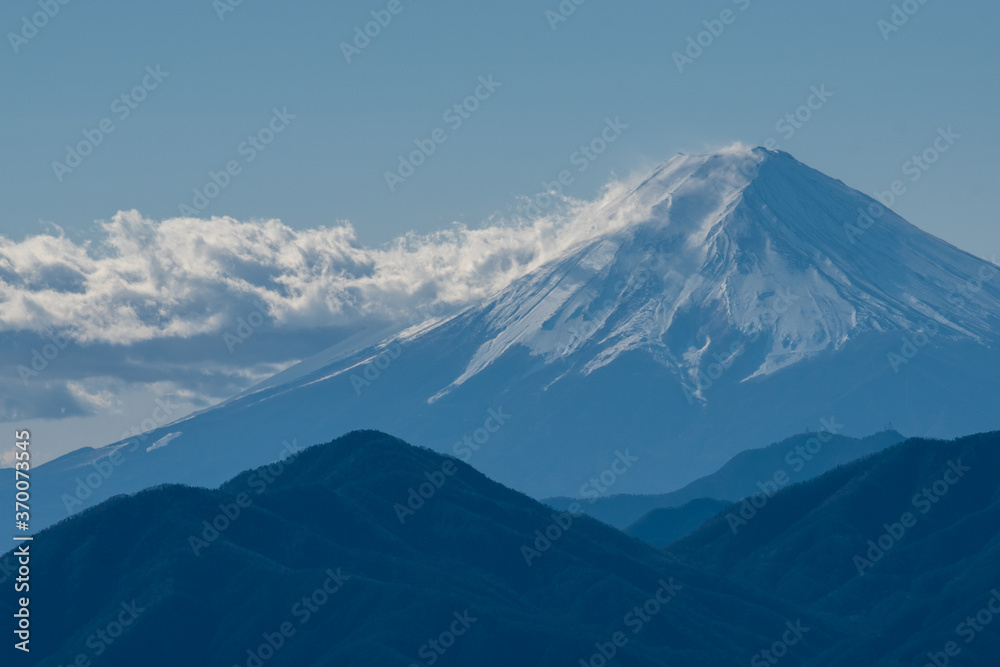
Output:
x,y
765,470
906,541
664,525
323,544
316,567
732,300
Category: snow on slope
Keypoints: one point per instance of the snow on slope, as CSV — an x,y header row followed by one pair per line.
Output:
x,y
750,242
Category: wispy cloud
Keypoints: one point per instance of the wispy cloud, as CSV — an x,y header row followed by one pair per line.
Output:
x,y
143,280
146,305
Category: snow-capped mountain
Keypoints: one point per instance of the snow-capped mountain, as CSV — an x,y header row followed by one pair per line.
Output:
x,y
746,245
737,298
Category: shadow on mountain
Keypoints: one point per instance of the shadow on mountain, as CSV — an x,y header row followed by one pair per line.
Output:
x,y
906,542
664,525
321,561
795,459
367,551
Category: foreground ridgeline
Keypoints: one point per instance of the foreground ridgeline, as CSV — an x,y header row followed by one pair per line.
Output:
x,y
310,561
905,543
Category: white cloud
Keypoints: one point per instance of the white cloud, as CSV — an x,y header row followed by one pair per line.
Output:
x,y
101,399
143,280
93,332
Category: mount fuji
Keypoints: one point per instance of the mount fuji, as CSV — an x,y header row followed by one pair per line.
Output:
x,y
730,300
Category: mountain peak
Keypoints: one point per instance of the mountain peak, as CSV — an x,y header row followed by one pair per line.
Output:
x,y
745,246
694,192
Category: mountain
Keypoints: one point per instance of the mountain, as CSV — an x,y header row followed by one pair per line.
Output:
x,y
367,551
765,470
664,525
905,542
731,300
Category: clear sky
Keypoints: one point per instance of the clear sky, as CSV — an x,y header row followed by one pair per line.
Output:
x,y
258,111
352,120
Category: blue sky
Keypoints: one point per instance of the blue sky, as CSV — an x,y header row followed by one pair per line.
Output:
x,y
259,110
558,87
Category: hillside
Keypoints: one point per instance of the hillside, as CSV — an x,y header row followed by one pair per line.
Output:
x,y
905,541
665,525
395,579
765,470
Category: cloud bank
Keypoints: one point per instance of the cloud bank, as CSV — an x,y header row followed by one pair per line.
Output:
x,y
148,309
142,280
